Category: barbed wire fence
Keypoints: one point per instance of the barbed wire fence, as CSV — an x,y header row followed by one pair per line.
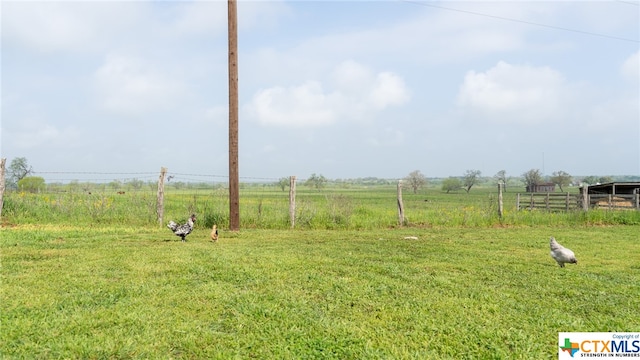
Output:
x,y
269,201
206,194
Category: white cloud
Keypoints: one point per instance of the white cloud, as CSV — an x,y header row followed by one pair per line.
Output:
x,y
67,26
514,93
631,68
358,93
389,90
35,134
350,77
218,115
260,14
303,105
200,17
387,137
132,86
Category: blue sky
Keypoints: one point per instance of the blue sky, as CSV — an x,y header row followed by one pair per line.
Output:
x,y
345,89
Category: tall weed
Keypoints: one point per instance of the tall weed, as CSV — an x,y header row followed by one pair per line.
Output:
x,y
268,208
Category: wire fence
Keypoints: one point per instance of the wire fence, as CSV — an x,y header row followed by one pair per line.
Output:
x,y
133,198
100,177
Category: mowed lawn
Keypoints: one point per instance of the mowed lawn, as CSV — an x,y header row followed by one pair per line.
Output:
x,y
127,292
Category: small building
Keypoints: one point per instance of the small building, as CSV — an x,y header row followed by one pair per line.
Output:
x,y
541,188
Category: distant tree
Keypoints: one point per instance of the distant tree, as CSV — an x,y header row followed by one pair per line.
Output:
x,y
501,178
18,170
416,180
605,179
283,183
316,181
115,184
31,184
471,178
451,184
532,177
561,178
135,184
73,186
178,185
593,180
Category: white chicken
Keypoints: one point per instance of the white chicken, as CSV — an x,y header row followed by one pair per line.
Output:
x,y
184,229
561,254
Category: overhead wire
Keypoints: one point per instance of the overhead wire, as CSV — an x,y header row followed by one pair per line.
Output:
x,y
123,176
628,2
422,3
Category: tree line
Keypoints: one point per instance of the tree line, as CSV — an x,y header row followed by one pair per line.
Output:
x,y
20,178
416,180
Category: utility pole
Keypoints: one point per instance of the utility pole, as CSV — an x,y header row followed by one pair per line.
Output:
x,y
234,187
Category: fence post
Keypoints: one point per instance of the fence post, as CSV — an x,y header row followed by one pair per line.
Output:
x,y
546,202
292,201
637,200
531,203
400,204
518,201
3,161
567,202
585,198
160,199
500,204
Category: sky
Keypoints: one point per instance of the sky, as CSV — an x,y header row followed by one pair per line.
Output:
x,y
344,89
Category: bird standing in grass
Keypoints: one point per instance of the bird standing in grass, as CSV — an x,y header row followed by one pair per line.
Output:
x,y
214,233
561,254
184,229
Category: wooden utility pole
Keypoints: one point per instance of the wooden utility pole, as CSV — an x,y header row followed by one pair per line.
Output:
x,y
234,187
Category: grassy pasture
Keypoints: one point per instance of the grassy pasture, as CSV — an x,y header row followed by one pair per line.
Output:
x,y
94,276
267,207
122,291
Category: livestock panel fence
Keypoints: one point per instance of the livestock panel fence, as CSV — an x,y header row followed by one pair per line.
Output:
x,y
569,202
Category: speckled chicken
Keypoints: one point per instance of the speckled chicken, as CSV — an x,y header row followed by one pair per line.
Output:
x,y
184,229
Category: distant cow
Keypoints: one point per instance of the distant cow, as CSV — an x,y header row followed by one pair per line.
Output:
x,y
121,192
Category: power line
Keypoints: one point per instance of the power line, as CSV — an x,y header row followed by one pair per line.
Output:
x,y
522,21
628,2
94,173
124,176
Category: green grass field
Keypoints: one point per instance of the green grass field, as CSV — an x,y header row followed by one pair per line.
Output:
x,y
267,207
115,286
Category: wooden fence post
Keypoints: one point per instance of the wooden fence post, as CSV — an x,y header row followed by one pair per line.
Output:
x,y
531,203
3,161
160,199
518,201
500,205
567,202
585,198
292,201
546,202
400,204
